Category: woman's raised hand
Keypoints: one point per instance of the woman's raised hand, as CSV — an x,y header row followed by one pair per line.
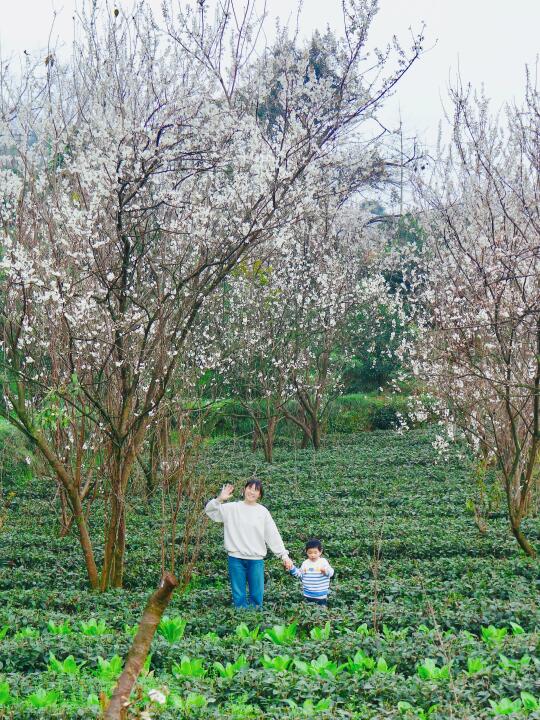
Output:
x,y
226,492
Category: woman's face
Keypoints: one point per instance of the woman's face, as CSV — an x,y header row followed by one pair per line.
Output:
x,y
251,494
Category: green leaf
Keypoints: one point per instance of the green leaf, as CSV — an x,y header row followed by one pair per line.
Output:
x,y
244,633
403,706
492,635
109,669
530,703
319,634
279,663
43,698
94,628
5,695
66,667
62,629
282,634
362,629
505,706
475,665
172,629
383,667
188,667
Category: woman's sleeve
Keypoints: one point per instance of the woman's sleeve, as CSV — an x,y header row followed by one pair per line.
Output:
x,y
214,510
273,539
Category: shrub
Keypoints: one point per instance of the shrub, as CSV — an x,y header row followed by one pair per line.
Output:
x,y
383,418
15,456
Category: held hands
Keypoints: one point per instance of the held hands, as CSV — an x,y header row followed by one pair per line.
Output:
x,y
226,492
287,563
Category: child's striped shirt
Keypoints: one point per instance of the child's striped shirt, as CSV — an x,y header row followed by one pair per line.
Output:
x,y
315,584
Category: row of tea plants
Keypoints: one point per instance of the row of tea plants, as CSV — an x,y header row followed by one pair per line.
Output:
x,y
427,618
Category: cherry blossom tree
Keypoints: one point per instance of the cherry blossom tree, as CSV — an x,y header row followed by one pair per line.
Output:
x,y
478,310
287,324
135,176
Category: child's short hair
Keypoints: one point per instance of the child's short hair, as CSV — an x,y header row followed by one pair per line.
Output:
x,y
257,484
313,543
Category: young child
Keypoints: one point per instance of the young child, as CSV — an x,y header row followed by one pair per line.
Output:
x,y
315,573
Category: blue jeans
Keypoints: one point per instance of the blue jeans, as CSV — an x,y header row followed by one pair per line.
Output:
x,y
252,572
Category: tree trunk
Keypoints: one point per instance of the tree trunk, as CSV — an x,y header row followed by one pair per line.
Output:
x,y
115,542
516,502
153,612
316,433
65,521
84,538
524,544
115,533
306,439
254,439
268,440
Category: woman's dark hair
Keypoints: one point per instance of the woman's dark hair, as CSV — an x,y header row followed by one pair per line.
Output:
x,y
313,543
257,484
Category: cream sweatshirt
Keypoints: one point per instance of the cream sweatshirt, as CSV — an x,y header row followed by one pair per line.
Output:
x,y
248,529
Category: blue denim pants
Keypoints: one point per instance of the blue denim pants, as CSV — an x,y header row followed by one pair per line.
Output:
x,y
250,572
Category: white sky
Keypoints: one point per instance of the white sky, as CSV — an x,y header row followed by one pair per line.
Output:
x,y
489,41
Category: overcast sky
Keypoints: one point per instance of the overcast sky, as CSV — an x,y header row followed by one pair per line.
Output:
x,y
488,41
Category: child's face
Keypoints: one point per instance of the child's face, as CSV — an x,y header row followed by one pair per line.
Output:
x,y
313,554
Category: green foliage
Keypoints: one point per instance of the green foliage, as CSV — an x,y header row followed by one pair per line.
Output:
x,y
393,635
361,664
505,706
5,695
60,629
383,418
492,635
429,670
43,698
383,667
321,666
360,658
244,633
310,708
516,628
26,632
360,412
282,634
278,663
240,708
172,629
109,669
187,705
321,634
509,664
131,630
530,702
69,666
229,670
188,667
94,628
410,711
475,665
15,457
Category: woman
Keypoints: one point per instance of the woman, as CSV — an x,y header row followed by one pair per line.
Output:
x,y
248,529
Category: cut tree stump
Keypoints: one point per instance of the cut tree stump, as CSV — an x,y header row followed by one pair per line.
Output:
x,y
155,607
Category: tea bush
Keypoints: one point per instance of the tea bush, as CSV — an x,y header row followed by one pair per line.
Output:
x,y
427,618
